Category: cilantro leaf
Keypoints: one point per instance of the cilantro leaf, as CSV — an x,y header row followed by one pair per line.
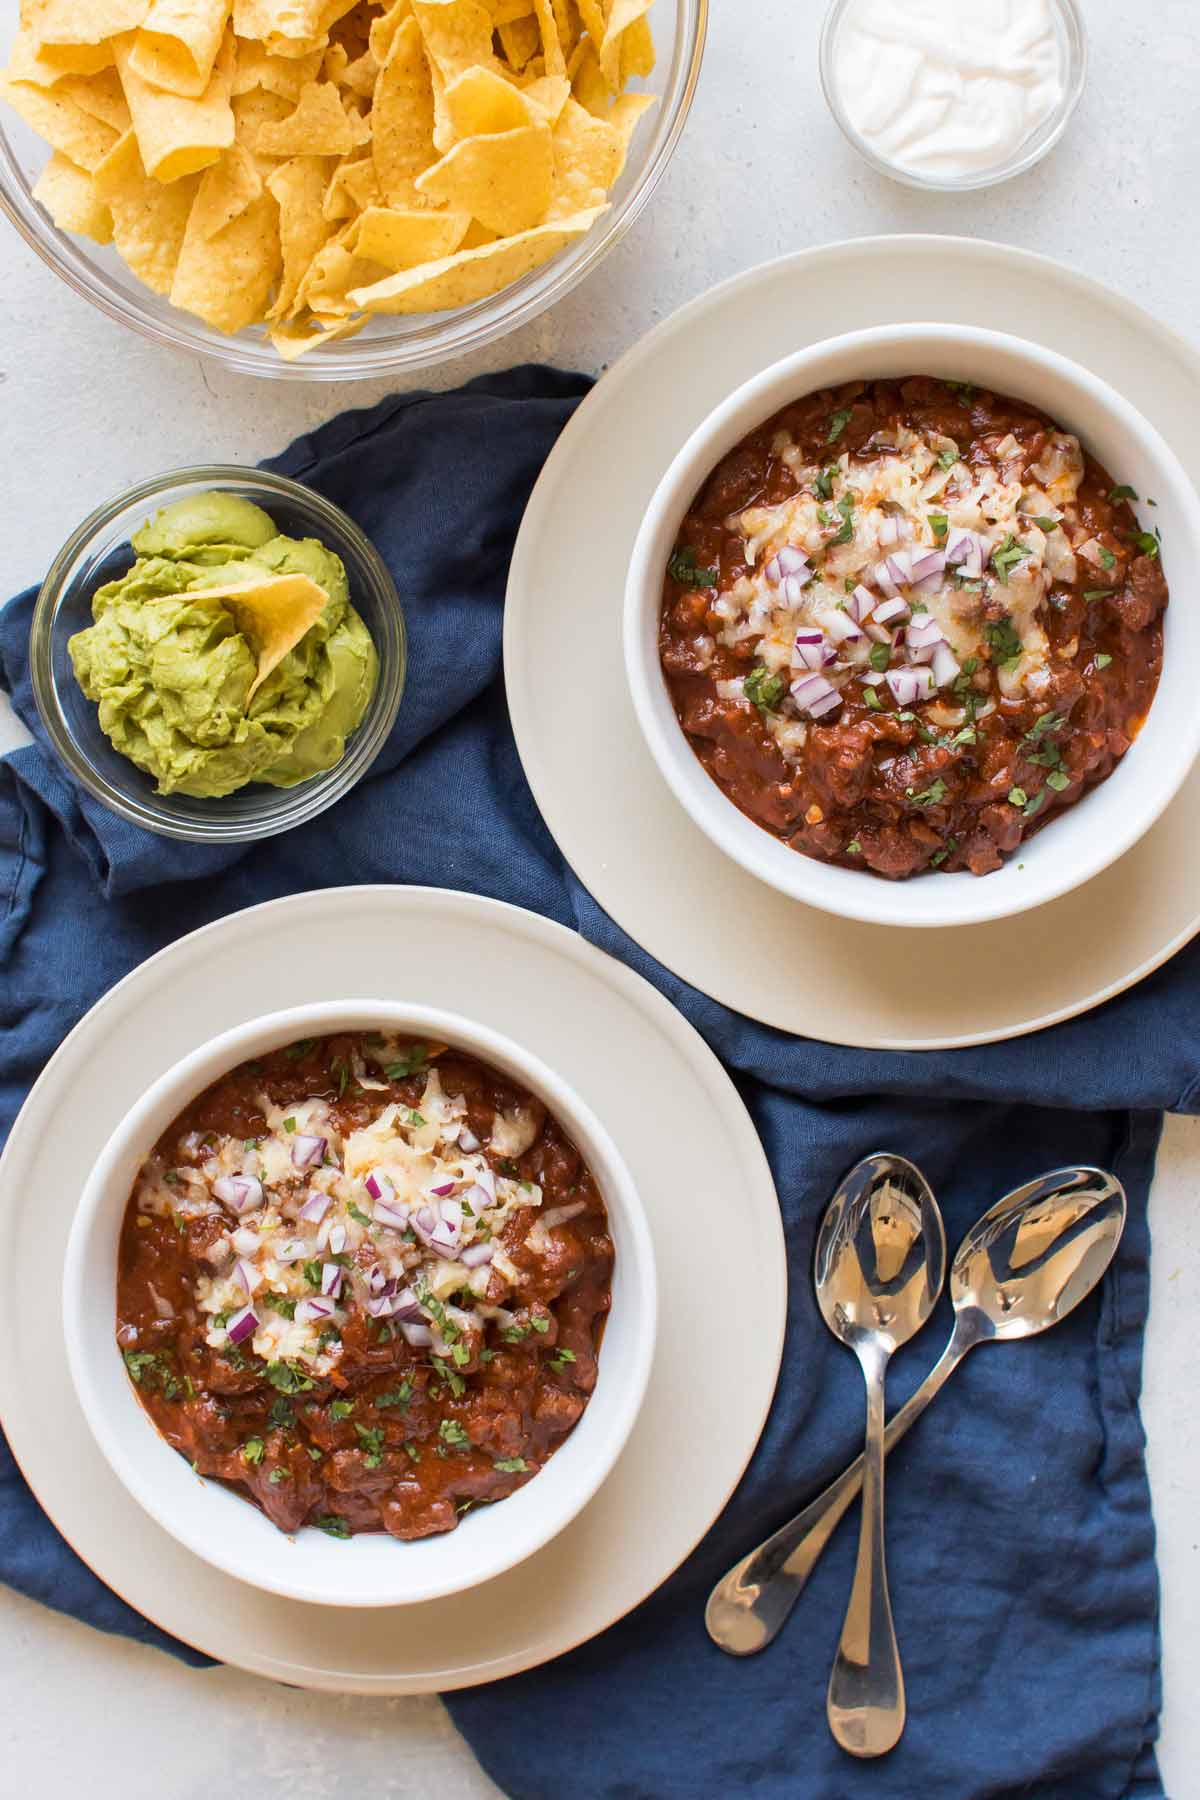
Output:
x,y
683,568
764,689
1003,640
838,424
333,1525
511,1465
287,1378
1006,555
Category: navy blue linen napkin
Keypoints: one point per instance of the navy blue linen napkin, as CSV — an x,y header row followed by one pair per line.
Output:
x,y
1020,1532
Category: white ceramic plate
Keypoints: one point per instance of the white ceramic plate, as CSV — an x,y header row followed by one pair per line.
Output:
x,y
611,812
693,1154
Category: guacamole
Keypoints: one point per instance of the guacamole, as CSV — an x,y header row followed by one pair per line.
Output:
x,y
170,674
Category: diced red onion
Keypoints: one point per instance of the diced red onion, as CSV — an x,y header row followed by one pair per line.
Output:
x,y
241,1192
792,587
880,633
444,1242
931,584
445,1187
842,629
331,1279
247,1274
307,1149
966,550
788,561
871,678
452,1214
881,576
889,531
416,1334
291,1250
558,1215
926,563
245,1241
861,603
475,1255
923,633
383,1214
309,1311
945,664
468,1141
889,610
810,649
899,565
813,691
337,1239
242,1325
485,1179
380,1188
315,1207
904,685
407,1305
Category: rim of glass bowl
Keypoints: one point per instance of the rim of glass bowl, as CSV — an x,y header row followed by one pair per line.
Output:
x,y
1032,151
446,335
295,805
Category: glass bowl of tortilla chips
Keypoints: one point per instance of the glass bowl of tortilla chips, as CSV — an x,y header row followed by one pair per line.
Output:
x,y
325,189
218,654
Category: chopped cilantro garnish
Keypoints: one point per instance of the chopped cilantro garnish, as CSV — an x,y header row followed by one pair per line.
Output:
x,y
948,458
312,1273
560,1359
683,569
333,1525
278,1475
1098,593
281,1416
315,1452
1017,796
968,735
287,1378
294,1052
400,1396
854,848
1122,493
1008,553
837,425
1034,805
371,1439
1045,722
413,1060
282,1304
1058,779
253,1450
289,1124
964,389
933,795
881,656
411,1451
1003,640
1103,660
846,507
1107,558
339,1069
939,524
151,1368
452,1433
1146,542
1045,524
453,1381
356,1212
824,482
540,1325
511,1465
872,699
341,1409
764,689
939,856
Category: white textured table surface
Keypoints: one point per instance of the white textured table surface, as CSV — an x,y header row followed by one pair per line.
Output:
x,y
761,170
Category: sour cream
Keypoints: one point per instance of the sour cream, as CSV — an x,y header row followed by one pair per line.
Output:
x,y
946,91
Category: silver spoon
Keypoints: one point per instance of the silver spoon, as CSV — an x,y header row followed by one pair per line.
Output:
x,y
880,1265
1024,1266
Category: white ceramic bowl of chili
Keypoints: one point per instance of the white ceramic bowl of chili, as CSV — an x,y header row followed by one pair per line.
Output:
x,y
222,1526
1079,842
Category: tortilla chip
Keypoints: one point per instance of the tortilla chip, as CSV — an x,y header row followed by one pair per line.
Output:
x,y
556,62
288,27
178,44
353,187
320,126
547,96
256,67
226,279
149,219
101,95
624,113
299,187
587,79
403,238
361,75
273,614
519,41
402,117
78,135
479,102
505,181
472,274
638,55
476,235
591,13
507,12
384,29
226,190
295,340
334,271
457,34
589,154
84,21
177,136
69,195
46,64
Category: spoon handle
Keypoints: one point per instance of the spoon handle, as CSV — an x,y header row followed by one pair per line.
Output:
x,y
865,1704
750,1605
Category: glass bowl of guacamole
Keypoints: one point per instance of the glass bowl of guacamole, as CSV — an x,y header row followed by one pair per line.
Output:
x,y
219,654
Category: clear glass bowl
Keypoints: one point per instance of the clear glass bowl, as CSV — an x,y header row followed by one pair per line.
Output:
x,y
98,551
385,346
1069,19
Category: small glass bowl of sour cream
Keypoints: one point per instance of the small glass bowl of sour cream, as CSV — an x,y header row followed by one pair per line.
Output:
x,y
946,97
